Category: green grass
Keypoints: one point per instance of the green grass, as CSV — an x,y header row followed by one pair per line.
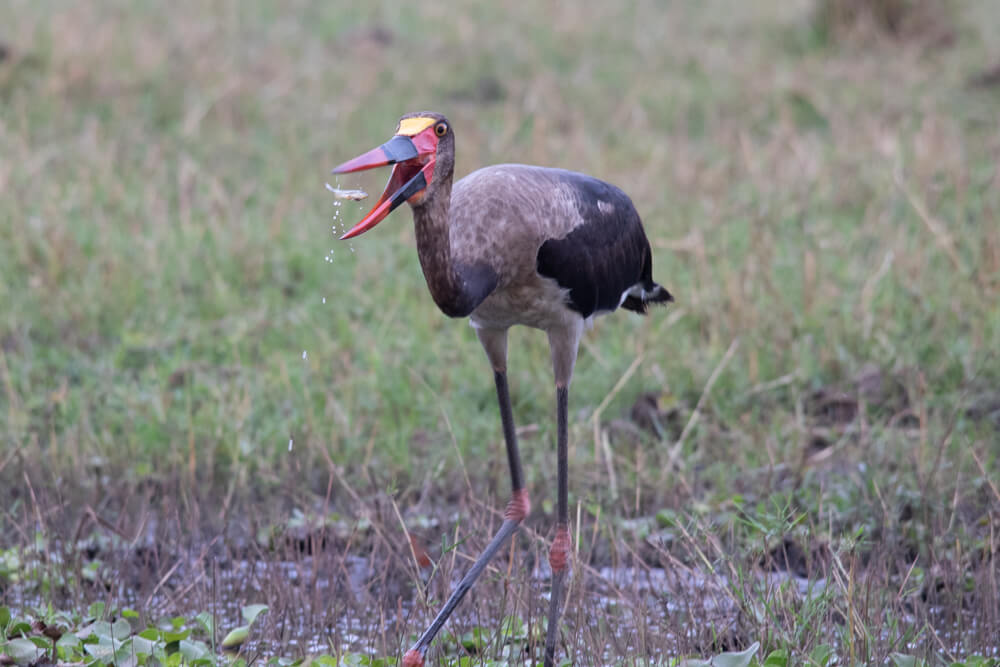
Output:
x,y
832,206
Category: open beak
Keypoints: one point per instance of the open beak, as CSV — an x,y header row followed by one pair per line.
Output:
x,y
413,157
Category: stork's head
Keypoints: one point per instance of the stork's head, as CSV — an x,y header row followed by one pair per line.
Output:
x,y
423,152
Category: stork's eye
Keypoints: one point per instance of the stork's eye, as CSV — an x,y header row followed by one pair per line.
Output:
x,y
441,129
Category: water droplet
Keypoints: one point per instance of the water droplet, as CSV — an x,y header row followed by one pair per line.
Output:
x,y
324,299
304,355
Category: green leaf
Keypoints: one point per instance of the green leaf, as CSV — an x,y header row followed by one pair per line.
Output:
x,y
143,646
192,650
98,629
121,629
977,661
69,648
252,611
22,650
777,658
822,655
4,617
741,659
18,627
901,660
125,654
236,637
175,636
207,622
103,651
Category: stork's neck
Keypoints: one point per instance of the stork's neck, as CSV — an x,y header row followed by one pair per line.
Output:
x,y
430,220
457,287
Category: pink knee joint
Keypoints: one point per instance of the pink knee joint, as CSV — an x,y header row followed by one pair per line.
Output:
x,y
519,506
412,658
559,553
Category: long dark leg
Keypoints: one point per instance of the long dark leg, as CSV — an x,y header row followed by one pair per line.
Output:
x,y
517,508
563,343
559,553
509,433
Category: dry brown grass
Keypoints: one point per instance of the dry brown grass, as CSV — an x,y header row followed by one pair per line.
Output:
x,y
929,23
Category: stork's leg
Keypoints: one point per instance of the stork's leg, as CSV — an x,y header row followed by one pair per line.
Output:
x,y
495,343
564,344
559,553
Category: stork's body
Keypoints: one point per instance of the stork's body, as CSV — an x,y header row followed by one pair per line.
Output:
x,y
514,244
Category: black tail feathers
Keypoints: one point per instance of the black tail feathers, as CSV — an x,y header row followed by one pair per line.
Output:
x,y
651,293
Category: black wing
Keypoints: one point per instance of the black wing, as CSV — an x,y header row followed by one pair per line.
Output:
x,y
605,255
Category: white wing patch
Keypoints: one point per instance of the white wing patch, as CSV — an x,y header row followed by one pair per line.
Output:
x,y
605,207
638,292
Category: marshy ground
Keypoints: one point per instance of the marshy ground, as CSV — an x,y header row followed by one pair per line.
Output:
x,y
207,402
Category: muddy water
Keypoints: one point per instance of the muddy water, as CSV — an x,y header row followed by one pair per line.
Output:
x,y
335,590
347,604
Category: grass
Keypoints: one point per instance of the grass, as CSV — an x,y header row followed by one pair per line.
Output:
x,y
830,205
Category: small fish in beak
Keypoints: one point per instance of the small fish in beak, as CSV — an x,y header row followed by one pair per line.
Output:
x,y
353,195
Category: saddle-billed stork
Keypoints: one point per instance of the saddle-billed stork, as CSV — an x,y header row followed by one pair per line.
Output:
x,y
514,244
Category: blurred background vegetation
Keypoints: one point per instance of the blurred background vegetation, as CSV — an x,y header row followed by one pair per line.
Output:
x,y
818,180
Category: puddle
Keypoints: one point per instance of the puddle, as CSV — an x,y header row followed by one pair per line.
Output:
x,y
346,588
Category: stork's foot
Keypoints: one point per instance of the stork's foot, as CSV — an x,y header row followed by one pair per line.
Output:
x,y
559,553
413,658
519,506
